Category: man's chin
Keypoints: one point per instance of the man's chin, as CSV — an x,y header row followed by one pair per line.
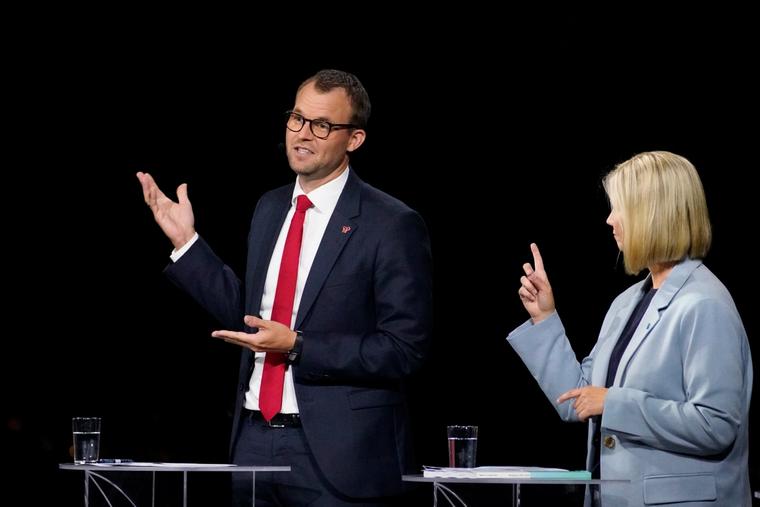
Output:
x,y
303,171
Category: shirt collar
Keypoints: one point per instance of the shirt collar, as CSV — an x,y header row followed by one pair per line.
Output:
x,y
325,197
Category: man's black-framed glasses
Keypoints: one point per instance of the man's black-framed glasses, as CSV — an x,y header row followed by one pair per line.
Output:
x,y
320,128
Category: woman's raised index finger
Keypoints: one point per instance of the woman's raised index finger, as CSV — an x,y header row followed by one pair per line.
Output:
x,y
538,262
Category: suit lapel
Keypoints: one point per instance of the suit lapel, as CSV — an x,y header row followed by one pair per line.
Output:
x,y
648,321
264,244
339,229
661,300
602,359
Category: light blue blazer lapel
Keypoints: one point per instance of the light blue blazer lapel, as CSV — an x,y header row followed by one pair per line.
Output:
x,y
610,338
661,300
339,230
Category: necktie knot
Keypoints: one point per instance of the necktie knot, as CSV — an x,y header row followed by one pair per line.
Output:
x,y
303,203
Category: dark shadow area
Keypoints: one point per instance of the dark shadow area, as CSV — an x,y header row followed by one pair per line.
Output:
x,y
495,151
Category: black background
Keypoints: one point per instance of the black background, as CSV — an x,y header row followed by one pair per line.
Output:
x,y
496,129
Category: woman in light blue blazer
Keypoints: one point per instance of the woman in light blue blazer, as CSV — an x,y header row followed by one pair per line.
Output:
x,y
667,386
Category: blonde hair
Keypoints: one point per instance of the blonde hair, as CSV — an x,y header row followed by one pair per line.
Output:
x,y
659,199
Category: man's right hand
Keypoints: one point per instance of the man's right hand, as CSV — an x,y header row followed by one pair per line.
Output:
x,y
175,218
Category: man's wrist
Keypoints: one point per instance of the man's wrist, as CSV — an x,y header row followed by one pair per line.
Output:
x,y
179,252
294,353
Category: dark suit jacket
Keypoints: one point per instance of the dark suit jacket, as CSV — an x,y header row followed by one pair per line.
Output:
x,y
365,315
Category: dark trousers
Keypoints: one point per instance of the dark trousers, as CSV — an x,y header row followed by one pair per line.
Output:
x,y
304,485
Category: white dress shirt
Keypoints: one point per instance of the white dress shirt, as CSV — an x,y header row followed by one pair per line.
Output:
x,y
324,199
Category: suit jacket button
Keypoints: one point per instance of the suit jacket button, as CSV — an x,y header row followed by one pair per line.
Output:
x,y
609,442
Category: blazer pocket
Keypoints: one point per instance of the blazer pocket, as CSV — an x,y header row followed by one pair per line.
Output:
x,y
373,398
335,280
662,489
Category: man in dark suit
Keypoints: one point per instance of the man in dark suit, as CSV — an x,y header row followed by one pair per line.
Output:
x,y
337,295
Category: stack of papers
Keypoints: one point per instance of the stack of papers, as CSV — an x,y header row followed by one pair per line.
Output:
x,y
506,472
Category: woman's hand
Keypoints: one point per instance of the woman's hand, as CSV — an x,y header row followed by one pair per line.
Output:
x,y
535,291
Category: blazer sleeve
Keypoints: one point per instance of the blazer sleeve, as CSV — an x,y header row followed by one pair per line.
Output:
x,y
402,285
546,351
210,282
715,361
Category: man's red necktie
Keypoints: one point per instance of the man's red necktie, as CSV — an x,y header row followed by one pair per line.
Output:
x,y
273,377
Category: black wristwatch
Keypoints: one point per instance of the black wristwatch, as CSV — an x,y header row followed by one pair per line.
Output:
x,y
295,352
